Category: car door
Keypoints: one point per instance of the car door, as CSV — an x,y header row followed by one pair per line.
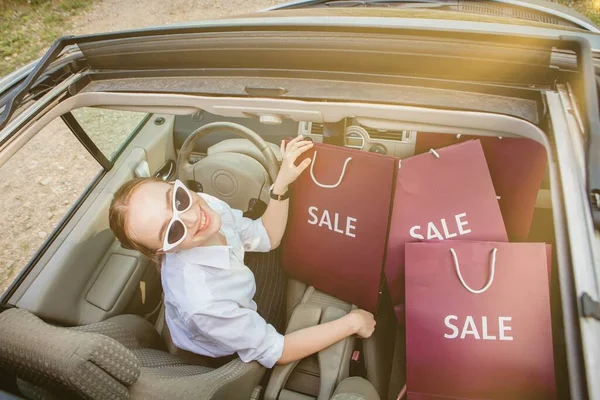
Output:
x,y
60,259
580,287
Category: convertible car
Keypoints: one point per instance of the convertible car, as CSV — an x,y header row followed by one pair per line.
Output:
x,y
83,317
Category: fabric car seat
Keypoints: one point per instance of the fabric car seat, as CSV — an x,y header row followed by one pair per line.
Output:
x,y
120,358
352,388
355,388
320,376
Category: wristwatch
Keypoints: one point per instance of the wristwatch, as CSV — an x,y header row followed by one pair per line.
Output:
x,y
278,197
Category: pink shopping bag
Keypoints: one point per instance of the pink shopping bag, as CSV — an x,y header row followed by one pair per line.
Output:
x,y
443,195
478,321
338,222
517,168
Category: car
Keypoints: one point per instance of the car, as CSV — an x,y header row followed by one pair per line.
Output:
x,y
98,110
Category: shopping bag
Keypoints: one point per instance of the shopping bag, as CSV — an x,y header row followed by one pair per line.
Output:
x,y
338,222
517,168
478,321
446,194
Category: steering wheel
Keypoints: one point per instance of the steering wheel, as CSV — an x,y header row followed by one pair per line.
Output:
x,y
184,167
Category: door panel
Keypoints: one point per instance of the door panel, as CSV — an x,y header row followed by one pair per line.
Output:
x,y
85,275
576,249
113,284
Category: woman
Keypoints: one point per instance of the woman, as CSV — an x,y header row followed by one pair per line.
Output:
x,y
209,292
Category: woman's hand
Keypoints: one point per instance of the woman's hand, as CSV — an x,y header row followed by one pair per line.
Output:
x,y
364,323
289,172
275,217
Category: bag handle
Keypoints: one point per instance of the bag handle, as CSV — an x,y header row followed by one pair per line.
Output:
x,y
312,174
490,279
402,393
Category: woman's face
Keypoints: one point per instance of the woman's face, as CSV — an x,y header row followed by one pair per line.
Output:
x,y
150,210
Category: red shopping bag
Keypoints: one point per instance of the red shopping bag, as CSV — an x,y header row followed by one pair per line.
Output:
x,y
517,168
478,321
446,195
336,233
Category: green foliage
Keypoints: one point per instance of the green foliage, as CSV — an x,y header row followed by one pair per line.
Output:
x,y
589,8
28,28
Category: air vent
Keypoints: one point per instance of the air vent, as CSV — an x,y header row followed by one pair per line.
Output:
x,y
377,134
316,129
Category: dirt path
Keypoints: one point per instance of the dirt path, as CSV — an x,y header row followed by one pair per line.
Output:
x,y
112,15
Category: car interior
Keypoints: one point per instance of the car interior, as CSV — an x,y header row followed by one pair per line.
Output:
x,y
84,316
88,296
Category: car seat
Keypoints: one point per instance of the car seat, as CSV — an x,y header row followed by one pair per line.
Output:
x,y
324,375
123,357
120,358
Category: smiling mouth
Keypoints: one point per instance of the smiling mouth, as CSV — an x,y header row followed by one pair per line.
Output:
x,y
204,221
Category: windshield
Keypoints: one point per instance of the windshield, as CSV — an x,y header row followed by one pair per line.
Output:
x,y
483,8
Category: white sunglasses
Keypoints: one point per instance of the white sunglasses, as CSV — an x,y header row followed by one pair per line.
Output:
x,y
176,231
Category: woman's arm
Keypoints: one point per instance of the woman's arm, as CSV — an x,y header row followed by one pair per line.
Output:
x,y
276,215
302,343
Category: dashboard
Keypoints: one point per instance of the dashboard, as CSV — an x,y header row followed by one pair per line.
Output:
x,y
382,141
397,143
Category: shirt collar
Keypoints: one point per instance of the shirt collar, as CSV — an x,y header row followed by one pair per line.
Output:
x,y
213,202
211,256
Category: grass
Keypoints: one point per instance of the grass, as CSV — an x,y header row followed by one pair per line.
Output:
x,y
29,27
589,8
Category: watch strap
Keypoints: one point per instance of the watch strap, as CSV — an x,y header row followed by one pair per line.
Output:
x,y
279,197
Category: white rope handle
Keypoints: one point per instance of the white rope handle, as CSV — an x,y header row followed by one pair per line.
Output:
x,y
490,279
312,174
402,393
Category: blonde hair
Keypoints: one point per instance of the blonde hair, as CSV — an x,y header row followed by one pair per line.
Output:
x,y
117,217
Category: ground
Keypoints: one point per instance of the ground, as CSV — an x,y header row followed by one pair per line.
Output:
x,y
111,15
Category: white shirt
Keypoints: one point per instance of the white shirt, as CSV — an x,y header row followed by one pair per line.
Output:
x,y
208,294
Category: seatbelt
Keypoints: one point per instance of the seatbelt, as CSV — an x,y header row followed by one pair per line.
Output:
x,y
160,321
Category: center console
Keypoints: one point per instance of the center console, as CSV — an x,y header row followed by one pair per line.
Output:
x,y
397,143
318,376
